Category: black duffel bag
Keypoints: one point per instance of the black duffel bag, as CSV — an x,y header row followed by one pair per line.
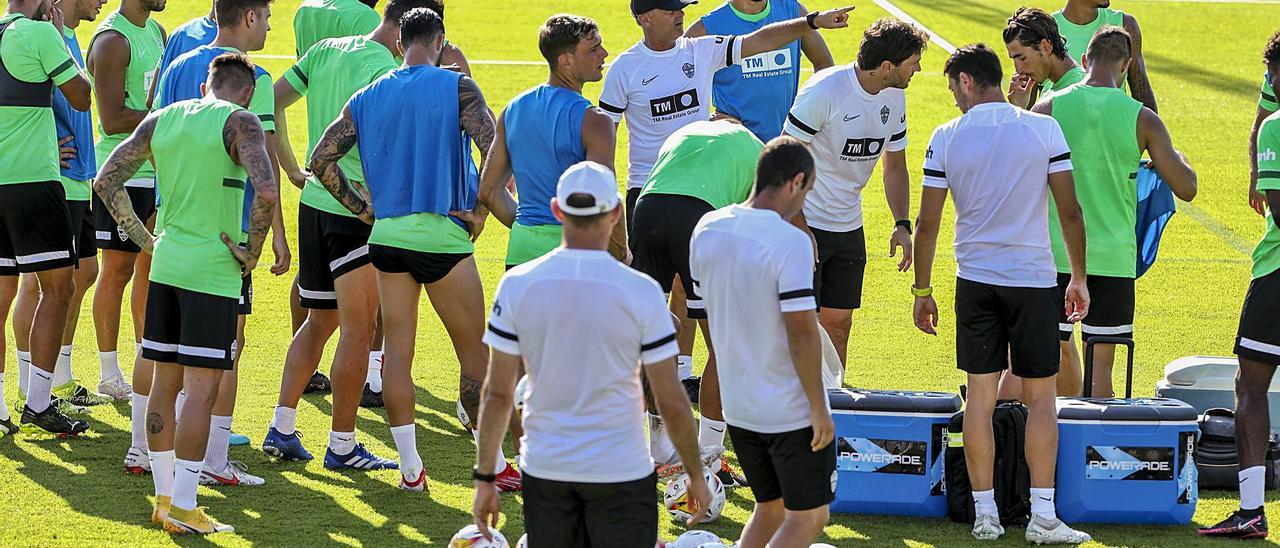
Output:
x,y
1217,461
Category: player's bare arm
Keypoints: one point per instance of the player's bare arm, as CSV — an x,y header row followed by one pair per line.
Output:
x,y
495,414
339,139
1256,200
108,58
780,34
815,47
494,195
286,96
599,139
1063,187
806,356
244,139
1169,162
119,167
1139,84
897,190
477,121
925,310
673,405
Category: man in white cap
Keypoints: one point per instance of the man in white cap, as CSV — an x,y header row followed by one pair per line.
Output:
x,y
584,405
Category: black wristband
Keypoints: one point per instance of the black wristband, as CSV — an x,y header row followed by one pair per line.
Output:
x,y
487,478
810,18
904,223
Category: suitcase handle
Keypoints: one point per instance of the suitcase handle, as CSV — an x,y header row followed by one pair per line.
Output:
x,y
1088,363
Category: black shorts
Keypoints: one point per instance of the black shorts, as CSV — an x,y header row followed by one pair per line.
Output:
x,y
633,194
1111,303
328,246
570,515
245,306
108,232
189,328
660,242
784,466
35,228
82,229
994,323
842,261
426,268
1258,338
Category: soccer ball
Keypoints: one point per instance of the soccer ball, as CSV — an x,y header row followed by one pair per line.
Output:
x,y
520,393
676,498
523,542
470,537
821,545
697,539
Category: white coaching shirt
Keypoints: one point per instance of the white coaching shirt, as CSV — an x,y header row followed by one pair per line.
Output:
x,y
659,92
996,160
847,129
584,323
751,267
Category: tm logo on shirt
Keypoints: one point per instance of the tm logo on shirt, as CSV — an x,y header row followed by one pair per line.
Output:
x,y
674,106
865,148
769,63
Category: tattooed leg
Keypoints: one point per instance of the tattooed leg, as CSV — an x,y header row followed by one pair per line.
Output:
x,y
165,384
459,301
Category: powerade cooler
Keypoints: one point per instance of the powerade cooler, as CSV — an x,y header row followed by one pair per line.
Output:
x,y
889,450
1126,461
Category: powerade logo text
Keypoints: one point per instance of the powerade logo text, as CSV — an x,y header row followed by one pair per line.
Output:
x,y
862,149
1109,462
881,456
675,106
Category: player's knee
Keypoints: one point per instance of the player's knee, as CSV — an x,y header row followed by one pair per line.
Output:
x,y
812,520
840,321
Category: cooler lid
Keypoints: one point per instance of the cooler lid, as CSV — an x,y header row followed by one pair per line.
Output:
x,y
893,401
1125,410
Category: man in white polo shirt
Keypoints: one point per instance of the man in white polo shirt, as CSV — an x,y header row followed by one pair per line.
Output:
x,y
850,116
1001,163
583,323
754,270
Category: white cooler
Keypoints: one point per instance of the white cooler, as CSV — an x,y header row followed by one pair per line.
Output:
x,y
1205,382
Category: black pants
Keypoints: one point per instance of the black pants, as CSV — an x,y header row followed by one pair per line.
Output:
x,y
560,514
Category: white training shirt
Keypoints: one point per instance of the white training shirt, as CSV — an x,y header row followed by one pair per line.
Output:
x,y
584,323
659,92
751,267
847,129
996,160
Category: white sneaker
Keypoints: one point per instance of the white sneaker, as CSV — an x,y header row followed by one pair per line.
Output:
x,y
987,527
136,462
417,485
1053,531
116,388
235,473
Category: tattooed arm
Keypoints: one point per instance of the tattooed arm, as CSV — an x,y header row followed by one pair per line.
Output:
x,y
337,140
1139,84
477,120
119,167
247,145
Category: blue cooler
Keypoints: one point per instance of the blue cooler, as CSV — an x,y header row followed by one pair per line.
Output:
x,y
1126,461
889,449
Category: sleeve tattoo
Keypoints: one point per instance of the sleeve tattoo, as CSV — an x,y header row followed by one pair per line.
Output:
x,y
119,167
338,139
244,130
475,116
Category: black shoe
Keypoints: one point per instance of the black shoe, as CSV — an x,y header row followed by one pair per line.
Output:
x,y
53,421
729,478
318,384
1241,524
692,386
7,427
370,399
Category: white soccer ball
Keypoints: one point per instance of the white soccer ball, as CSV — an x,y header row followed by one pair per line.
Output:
x,y
821,545
470,537
676,498
523,542
520,393
696,539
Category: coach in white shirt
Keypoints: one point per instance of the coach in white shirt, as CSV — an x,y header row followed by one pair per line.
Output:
x,y
754,270
583,323
1001,163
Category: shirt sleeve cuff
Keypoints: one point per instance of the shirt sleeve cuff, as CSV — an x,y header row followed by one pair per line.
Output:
x,y
1060,163
297,79
798,129
800,300
503,341
64,73
658,350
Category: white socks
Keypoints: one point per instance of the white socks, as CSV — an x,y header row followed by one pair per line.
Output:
x,y
406,438
684,366
215,454
39,389
501,465
186,480
286,420
660,446
342,443
1042,503
374,377
108,365
984,503
162,471
138,417
4,409
177,406
62,367
710,433
24,365
1253,482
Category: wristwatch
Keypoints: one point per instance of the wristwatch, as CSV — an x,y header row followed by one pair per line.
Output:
x,y
813,15
487,478
928,291
904,223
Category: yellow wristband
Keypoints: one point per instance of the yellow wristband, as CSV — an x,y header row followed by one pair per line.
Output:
x,y
928,291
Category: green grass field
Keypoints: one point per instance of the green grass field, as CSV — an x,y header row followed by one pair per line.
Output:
x,y
1204,61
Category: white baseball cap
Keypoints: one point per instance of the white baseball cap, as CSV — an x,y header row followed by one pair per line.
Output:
x,y
591,179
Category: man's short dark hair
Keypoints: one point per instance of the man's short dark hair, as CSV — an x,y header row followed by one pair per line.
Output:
x,y
420,26
890,40
1111,44
1031,25
1271,54
396,9
229,12
561,34
231,71
583,199
979,62
781,160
